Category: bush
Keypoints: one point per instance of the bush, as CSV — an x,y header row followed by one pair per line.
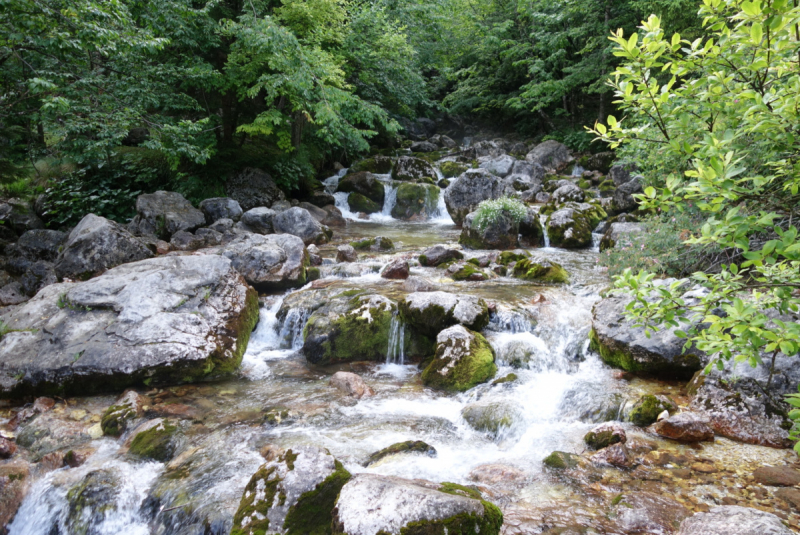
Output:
x,y
490,211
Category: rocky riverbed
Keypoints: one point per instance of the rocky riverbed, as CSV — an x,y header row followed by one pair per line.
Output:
x,y
396,380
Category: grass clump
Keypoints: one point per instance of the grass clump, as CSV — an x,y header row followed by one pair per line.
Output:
x,y
491,211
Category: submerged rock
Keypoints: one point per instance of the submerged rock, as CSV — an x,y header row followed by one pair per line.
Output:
x,y
463,360
294,493
685,427
402,448
561,460
370,504
351,384
90,500
733,520
430,312
646,410
777,476
95,245
166,319
646,512
493,418
155,440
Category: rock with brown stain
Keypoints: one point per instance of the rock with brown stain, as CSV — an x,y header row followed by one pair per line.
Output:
x,y
777,476
685,427
351,384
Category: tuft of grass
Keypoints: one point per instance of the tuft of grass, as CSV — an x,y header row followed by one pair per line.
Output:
x,y
490,211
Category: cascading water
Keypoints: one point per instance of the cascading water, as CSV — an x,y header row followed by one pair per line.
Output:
x,y
395,353
577,171
545,236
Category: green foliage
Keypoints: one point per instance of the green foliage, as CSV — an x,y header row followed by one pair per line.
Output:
x,y
490,211
729,105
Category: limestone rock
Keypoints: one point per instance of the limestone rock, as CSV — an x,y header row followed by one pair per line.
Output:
x,y
433,311
684,427
351,384
617,232
276,261
550,155
733,520
501,233
365,184
346,253
40,244
163,213
402,448
646,512
299,222
623,200
416,201
615,455
423,146
19,216
439,254
397,270
219,208
605,435
568,192
466,192
253,187
408,168
500,166
258,220
463,360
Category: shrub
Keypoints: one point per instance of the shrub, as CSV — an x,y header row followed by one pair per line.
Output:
x,y
490,211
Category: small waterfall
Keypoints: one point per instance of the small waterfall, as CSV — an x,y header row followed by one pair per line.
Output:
x,y
291,334
546,237
390,199
273,339
510,321
331,183
577,171
395,352
441,215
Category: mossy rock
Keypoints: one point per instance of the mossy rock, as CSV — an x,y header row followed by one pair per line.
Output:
x,y
376,244
646,410
359,203
491,418
469,272
507,257
545,271
115,419
452,169
380,165
410,446
561,460
463,360
510,378
91,500
601,439
443,183
416,201
156,443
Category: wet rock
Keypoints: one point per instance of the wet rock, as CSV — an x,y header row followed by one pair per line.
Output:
x,y
346,253
402,448
777,476
19,216
645,512
416,202
501,233
418,284
272,262
115,419
40,244
95,245
510,378
220,208
253,187
733,520
15,482
496,474
378,244
619,231
91,500
186,241
647,409
615,455
621,173
423,146
163,213
494,418
571,227
544,271
623,346
365,184
299,222
567,193
463,360
466,271
165,319
623,200
377,164
550,155
294,493
370,503
466,192
48,433
605,435
561,460
439,254
408,168
258,220
790,496
397,270
334,217
685,427
7,448
431,312
531,230
156,440
351,384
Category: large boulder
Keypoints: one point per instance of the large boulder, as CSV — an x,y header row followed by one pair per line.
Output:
x,y
19,216
463,360
500,166
599,162
466,192
416,201
258,220
220,208
369,504
733,520
300,223
550,155
253,187
95,245
268,263
377,164
622,345
685,427
430,312
423,146
531,229
40,244
619,231
533,171
293,493
360,204
408,168
163,213
570,228
623,200
568,192
621,173
165,320
364,183
500,233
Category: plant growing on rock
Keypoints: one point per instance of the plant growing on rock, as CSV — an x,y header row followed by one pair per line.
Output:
x,y
728,105
490,211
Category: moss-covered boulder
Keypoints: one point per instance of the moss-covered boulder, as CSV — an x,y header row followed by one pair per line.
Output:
x,y
359,203
452,169
646,410
417,447
468,272
430,312
510,378
157,441
501,232
493,418
605,435
561,460
364,183
293,494
570,227
380,165
369,504
619,232
409,168
116,418
463,360
375,245
90,500
416,201
544,271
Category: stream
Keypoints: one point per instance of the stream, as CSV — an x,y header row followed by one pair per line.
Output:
x,y
540,333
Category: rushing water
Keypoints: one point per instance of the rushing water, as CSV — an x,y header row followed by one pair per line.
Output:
x,y
539,333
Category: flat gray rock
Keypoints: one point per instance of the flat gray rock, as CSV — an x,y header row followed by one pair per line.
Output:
x,y
271,262
733,520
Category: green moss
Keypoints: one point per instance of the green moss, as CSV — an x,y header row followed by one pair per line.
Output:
x,y
461,490
251,517
466,272
615,355
115,418
473,368
379,243
423,260
312,514
646,410
352,293
415,200
410,446
155,443
452,169
313,273
546,271
603,439
510,378
360,203
474,262
615,358
506,257
489,523
561,460
379,165
607,186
